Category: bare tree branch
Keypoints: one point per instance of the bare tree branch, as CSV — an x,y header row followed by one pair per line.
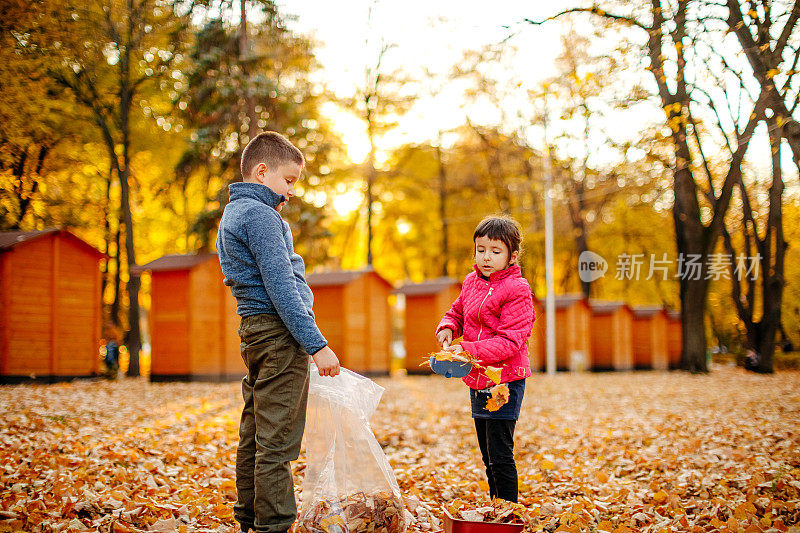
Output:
x,y
734,172
594,10
788,28
712,105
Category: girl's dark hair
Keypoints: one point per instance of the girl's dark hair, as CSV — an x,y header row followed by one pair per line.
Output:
x,y
504,229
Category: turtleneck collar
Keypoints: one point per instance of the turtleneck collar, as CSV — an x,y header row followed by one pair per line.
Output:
x,y
511,271
255,191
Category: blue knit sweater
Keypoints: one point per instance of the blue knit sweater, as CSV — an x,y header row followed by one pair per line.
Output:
x,y
258,260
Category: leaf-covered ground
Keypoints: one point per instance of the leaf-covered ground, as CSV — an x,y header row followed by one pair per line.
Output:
x,y
596,452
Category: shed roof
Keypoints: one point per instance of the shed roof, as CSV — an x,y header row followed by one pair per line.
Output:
x,y
10,239
604,307
646,311
431,286
564,301
340,277
568,300
174,262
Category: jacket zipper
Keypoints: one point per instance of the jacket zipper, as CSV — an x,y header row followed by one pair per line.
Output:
x,y
480,307
480,330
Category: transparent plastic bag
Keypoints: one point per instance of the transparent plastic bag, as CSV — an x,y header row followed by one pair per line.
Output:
x,y
349,485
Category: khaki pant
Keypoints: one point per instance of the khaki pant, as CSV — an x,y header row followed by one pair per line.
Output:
x,y
275,393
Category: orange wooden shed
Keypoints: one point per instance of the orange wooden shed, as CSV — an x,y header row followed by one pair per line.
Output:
x,y
426,304
612,347
573,342
49,306
352,311
193,321
537,340
674,338
649,337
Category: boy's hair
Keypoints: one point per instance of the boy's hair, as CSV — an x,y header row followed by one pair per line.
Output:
x,y
269,147
501,228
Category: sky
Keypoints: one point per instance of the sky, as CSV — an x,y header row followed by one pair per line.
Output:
x,y
429,36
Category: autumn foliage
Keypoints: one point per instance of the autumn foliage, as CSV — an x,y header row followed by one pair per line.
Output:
x,y
597,452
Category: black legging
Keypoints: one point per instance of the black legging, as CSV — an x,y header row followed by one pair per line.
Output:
x,y
496,440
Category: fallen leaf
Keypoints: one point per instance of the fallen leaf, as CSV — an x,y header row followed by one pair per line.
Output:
x,y
605,525
711,442
498,398
168,525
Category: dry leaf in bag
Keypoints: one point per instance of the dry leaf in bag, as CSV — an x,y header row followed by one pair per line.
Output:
x,y
349,485
379,512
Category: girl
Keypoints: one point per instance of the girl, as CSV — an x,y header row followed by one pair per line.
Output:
x,y
494,313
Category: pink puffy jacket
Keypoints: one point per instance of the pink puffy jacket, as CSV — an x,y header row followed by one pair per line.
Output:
x,y
496,318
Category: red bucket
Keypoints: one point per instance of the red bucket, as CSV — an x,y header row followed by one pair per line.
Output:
x,y
454,525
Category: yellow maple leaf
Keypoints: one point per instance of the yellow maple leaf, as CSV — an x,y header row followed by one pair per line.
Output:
x,y
494,373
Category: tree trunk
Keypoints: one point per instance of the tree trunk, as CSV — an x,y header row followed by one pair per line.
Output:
x,y
126,90
693,303
765,54
18,171
106,236
133,340
115,303
583,246
495,170
348,235
244,50
443,209
206,242
771,250
25,202
772,280
691,243
370,180
577,208
531,266
579,216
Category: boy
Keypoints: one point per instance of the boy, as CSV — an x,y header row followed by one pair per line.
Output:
x,y
278,331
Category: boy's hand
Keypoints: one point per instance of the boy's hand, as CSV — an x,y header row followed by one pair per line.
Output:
x,y
327,362
445,337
